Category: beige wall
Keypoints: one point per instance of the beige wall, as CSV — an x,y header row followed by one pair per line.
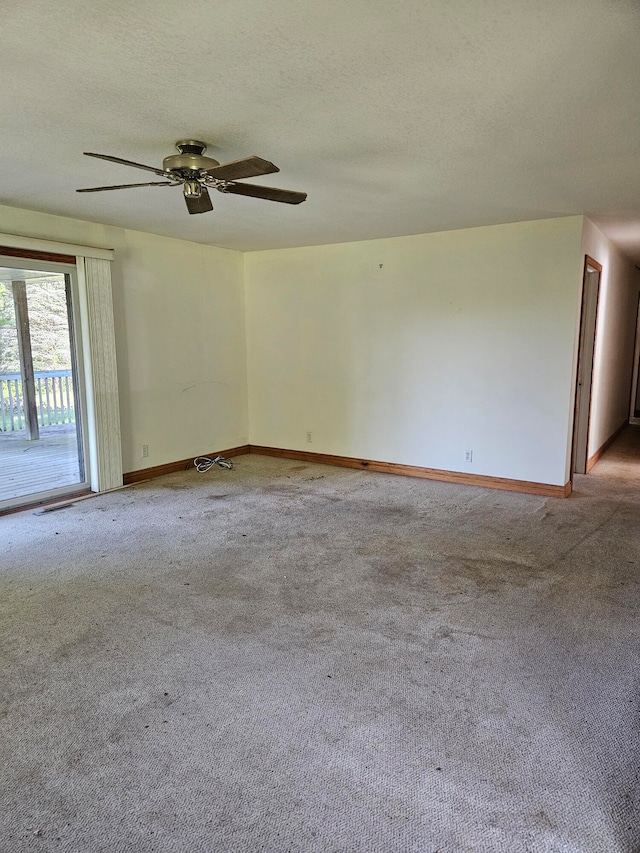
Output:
x,y
615,336
179,316
461,340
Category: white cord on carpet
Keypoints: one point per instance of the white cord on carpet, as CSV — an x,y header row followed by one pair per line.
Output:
x,y
203,463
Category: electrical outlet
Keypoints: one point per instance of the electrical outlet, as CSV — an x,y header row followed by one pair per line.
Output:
x,y
309,438
468,456
145,451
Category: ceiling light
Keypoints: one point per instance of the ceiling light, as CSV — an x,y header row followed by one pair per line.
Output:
x,y
192,189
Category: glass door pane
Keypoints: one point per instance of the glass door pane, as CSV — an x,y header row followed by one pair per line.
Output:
x,y
41,447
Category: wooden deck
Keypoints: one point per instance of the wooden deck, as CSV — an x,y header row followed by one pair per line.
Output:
x,y
29,467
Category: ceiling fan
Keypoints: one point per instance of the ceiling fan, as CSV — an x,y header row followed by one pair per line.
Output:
x,y
196,174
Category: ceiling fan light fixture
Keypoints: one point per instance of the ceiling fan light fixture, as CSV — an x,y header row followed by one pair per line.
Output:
x,y
197,173
192,189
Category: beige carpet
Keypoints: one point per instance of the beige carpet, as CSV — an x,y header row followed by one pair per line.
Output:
x,y
293,657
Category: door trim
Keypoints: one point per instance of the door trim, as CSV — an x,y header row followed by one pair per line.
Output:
x,y
27,261
19,244
595,265
635,374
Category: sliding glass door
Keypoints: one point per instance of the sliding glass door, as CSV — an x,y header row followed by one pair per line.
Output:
x,y
42,446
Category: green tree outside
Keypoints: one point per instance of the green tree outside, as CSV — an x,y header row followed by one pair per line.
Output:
x,y
48,323
50,344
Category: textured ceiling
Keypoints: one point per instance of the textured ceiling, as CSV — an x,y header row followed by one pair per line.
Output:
x,y
395,117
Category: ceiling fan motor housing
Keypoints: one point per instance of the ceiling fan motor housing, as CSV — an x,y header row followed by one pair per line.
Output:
x,y
189,160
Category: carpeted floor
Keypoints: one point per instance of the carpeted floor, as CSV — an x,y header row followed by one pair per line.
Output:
x,y
294,657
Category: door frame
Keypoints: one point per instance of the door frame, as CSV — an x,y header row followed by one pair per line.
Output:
x,y
635,377
97,322
66,266
590,264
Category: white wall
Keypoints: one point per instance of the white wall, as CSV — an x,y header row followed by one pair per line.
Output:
x,y
461,340
180,337
615,336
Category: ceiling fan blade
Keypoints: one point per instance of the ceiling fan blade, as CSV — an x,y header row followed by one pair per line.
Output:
x,y
269,193
249,167
126,186
202,204
125,162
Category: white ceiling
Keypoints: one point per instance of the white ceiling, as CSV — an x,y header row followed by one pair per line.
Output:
x,y
396,116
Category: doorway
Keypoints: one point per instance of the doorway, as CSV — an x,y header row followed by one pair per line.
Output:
x,y
634,406
42,440
586,349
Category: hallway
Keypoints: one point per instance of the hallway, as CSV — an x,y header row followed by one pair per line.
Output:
x,y
617,472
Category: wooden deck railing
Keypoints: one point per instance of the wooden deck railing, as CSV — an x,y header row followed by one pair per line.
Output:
x,y
54,398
